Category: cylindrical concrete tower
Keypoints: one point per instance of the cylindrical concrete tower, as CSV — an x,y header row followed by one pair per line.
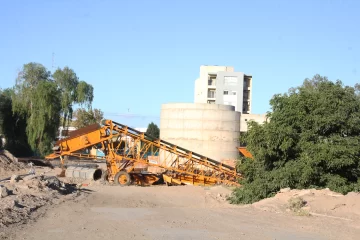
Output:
x,y
211,130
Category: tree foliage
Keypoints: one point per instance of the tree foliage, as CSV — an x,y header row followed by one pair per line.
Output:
x,y
43,99
311,140
85,117
12,127
153,130
72,91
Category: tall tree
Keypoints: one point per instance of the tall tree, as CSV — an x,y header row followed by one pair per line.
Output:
x,y
85,117
311,140
43,101
37,98
153,130
72,91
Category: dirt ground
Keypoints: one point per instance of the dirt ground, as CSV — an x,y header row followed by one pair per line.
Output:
x,y
182,212
46,208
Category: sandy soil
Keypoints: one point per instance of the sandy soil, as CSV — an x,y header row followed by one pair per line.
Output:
x,y
324,203
42,207
185,212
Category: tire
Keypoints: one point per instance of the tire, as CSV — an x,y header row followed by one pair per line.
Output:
x,y
122,178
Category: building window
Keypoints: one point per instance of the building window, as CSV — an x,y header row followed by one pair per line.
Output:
x,y
211,80
211,102
230,81
246,95
233,93
211,93
226,92
246,106
247,82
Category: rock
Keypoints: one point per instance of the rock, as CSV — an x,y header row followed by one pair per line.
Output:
x,y
3,191
29,177
285,190
21,187
14,178
16,190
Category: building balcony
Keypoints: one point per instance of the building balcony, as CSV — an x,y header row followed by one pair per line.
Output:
x,y
212,82
211,95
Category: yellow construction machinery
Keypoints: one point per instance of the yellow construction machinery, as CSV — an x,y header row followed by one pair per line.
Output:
x,y
132,156
244,152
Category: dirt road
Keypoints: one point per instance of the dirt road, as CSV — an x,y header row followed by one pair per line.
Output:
x,y
187,212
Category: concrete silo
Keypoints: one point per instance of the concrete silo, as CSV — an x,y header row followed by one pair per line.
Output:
x,y
211,130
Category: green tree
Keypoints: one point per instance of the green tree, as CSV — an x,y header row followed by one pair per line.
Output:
x,y
84,117
153,130
72,91
43,101
12,127
5,115
311,140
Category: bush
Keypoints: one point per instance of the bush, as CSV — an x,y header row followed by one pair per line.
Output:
x,y
296,204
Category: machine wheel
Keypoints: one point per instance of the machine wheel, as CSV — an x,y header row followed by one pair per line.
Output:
x,y
122,178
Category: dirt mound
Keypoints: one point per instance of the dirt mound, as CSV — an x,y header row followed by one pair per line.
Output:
x,y
9,164
314,202
22,197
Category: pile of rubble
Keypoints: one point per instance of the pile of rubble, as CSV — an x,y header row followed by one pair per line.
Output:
x,y
9,163
22,195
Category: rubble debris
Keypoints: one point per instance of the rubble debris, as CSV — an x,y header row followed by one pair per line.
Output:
x,y
22,198
3,191
29,177
10,164
14,178
9,156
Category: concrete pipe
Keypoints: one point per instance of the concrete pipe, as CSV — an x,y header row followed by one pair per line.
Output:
x,y
83,173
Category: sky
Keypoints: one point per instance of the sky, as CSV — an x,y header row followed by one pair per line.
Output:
x,y
139,54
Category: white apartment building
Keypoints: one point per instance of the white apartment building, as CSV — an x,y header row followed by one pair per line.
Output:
x,y
222,85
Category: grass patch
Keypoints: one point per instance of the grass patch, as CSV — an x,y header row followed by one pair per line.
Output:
x,y
296,205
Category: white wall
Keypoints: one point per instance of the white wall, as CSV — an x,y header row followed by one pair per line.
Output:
x,y
211,130
200,91
244,118
201,84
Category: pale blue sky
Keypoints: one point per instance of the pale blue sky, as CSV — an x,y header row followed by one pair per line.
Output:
x,y
140,54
